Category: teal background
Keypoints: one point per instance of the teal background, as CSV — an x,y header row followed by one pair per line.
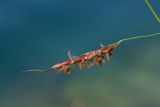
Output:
x,y
38,34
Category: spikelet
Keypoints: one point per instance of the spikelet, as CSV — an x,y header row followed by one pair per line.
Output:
x,y
90,58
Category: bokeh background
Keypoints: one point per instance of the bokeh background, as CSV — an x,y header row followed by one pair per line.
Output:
x,y
38,33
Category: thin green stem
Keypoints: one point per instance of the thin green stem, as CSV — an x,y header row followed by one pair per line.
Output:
x,y
136,37
152,10
38,70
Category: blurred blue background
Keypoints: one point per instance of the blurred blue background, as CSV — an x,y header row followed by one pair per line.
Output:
x,y
38,34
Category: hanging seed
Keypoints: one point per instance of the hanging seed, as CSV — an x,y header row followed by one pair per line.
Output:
x,y
91,57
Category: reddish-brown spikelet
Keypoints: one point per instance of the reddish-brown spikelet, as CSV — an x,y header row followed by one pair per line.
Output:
x,y
89,58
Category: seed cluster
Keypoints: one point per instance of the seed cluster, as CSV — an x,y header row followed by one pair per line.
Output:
x,y
90,58
85,60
